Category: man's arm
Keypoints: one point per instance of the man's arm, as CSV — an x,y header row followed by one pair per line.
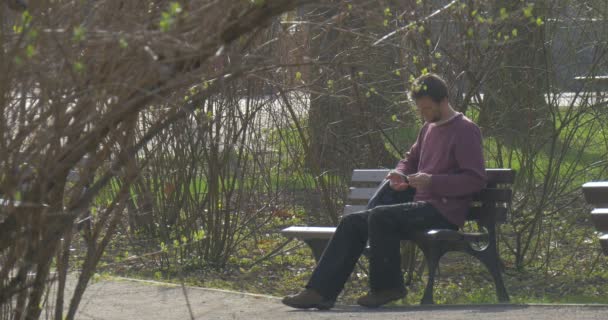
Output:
x,y
471,177
409,164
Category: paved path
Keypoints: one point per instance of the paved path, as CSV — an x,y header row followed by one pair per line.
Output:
x,y
126,299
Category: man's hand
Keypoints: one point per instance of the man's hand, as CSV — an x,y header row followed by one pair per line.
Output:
x,y
420,180
397,182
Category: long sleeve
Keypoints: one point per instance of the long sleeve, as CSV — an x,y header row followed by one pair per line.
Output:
x,y
409,164
470,176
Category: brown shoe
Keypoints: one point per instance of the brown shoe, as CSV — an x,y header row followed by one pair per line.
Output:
x,y
378,298
308,299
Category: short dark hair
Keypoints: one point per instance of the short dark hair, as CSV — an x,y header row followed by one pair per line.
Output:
x,y
429,85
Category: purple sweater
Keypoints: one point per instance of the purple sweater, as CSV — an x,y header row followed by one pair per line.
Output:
x,y
452,153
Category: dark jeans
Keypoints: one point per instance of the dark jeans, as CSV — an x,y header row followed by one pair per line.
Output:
x,y
384,226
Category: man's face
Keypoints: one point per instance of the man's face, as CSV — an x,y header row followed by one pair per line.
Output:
x,y
429,110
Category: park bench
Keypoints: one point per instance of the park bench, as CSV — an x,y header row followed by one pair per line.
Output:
x,y
593,83
596,194
489,208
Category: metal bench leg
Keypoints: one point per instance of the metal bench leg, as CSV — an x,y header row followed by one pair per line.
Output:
x,y
317,246
432,255
490,260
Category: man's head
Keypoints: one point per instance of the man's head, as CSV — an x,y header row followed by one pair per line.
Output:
x,y
430,92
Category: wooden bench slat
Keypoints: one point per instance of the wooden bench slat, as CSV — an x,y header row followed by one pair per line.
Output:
x,y
506,176
488,194
309,232
369,175
348,209
499,176
596,193
475,213
361,193
600,219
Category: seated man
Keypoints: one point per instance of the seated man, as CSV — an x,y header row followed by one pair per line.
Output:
x,y
444,167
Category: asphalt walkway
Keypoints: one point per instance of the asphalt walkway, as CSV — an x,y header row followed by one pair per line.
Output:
x,y
134,299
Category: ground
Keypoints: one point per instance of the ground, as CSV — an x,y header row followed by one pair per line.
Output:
x,y
122,298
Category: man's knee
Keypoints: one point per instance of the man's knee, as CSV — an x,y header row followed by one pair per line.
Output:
x,y
381,215
354,222
353,219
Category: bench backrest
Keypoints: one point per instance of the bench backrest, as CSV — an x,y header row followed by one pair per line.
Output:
x,y
493,201
596,194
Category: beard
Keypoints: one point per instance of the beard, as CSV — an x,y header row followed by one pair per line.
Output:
x,y
435,118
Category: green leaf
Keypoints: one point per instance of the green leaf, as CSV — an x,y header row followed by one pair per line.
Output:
x,y
165,22
175,8
504,14
528,10
539,21
298,76
394,118
30,51
78,66
123,43
26,18
78,34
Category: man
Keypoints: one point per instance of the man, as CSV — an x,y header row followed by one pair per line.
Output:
x,y
444,168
